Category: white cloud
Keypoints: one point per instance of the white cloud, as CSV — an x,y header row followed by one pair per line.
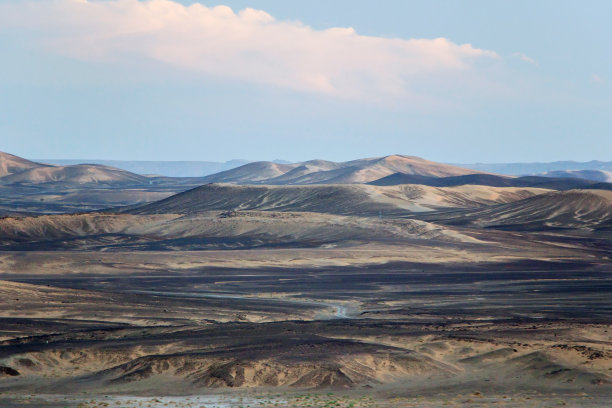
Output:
x,y
249,45
525,58
596,78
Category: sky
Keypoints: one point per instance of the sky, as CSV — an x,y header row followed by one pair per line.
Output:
x,y
450,81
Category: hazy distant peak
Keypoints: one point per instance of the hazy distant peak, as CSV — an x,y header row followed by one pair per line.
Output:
x,y
595,175
521,169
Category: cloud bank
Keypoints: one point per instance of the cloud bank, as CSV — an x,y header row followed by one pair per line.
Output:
x,y
249,45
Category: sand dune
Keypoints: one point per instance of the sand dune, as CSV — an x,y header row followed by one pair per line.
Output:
x,y
326,172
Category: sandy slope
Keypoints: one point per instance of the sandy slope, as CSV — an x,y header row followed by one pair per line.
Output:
x,y
10,164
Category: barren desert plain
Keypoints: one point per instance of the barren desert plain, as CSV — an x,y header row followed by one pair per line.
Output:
x,y
315,284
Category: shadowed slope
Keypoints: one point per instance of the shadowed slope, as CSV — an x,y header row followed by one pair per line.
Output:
x,y
554,183
476,179
576,209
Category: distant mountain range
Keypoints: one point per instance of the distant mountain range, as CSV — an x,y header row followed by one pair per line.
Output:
x,y
595,175
523,169
396,170
379,171
598,170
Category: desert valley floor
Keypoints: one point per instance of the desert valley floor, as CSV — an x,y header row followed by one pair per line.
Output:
x,y
335,291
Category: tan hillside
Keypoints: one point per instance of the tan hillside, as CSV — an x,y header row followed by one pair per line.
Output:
x,y
326,172
77,174
10,164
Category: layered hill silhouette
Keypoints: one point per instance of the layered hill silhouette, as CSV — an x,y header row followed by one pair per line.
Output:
x,y
379,171
521,169
76,174
16,170
351,199
603,176
211,230
327,172
548,182
394,170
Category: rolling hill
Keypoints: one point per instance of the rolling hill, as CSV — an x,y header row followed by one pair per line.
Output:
x,y
255,172
18,171
574,209
211,230
76,174
10,164
351,199
326,172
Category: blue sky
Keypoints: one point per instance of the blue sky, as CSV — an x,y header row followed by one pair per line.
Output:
x,y
505,81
